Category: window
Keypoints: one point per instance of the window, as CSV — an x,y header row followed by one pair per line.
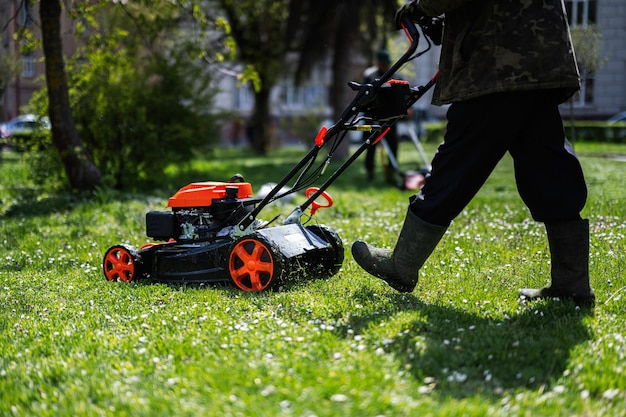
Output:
x,y
244,98
581,12
28,65
300,98
25,14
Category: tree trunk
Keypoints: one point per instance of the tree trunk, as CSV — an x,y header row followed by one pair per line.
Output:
x,y
81,171
340,95
261,123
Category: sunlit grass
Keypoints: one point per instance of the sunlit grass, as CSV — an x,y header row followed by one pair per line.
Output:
x,y
72,343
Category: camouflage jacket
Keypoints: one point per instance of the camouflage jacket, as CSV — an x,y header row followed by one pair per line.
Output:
x,y
494,46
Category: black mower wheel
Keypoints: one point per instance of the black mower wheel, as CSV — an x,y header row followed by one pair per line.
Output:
x,y
122,263
254,264
329,235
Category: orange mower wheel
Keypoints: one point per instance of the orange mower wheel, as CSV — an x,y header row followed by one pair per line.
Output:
x,y
253,264
121,263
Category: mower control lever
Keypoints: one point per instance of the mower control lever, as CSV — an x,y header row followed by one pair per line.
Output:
x,y
315,205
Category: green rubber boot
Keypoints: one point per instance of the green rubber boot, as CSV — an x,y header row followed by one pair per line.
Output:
x,y
399,268
569,250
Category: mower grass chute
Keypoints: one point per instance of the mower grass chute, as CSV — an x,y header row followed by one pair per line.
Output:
x,y
213,234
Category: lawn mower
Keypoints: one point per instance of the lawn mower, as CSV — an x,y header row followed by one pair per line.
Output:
x,y
213,233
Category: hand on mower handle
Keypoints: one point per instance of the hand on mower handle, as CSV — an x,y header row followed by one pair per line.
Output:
x,y
432,26
408,10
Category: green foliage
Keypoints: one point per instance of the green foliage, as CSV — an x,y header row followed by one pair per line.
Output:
x,y
138,100
132,116
587,41
460,345
601,131
585,130
434,131
9,67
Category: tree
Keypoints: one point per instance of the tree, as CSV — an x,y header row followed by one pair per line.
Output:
x,y
587,41
139,97
9,67
258,27
319,28
266,30
81,171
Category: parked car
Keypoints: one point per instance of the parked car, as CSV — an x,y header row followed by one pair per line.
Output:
x,y
18,131
619,117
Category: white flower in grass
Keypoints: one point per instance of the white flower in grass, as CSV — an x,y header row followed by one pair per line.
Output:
x,y
487,375
609,394
457,377
423,389
339,398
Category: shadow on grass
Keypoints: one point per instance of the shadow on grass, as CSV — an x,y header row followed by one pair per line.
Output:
x,y
222,164
32,202
215,165
458,353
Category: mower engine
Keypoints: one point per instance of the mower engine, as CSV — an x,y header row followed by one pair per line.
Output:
x,y
201,211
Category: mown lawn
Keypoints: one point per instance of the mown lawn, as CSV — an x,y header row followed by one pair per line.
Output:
x,y
462,344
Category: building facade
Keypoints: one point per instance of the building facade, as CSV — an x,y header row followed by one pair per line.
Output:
x,y
609,81
16,15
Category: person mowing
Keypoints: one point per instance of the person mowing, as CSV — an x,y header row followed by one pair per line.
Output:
x,y
505,67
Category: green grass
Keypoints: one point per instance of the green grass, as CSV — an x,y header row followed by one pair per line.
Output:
x,y
72,343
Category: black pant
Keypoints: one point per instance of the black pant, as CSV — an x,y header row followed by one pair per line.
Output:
x,y
480,131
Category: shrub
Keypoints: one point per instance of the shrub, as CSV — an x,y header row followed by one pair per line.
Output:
x,y
597,131
585,130
434,131
138,99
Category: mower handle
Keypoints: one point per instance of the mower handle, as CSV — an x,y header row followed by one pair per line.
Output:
x,y
365,94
